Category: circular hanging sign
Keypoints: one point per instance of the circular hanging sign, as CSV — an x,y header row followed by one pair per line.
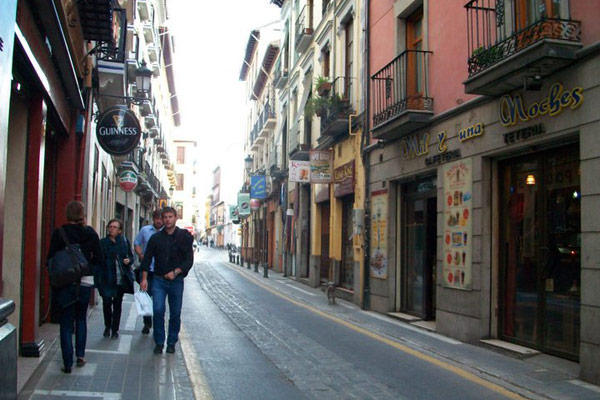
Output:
x,y
128,180
254,204
118,130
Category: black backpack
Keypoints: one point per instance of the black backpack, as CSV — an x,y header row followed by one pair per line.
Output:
x,y
67,266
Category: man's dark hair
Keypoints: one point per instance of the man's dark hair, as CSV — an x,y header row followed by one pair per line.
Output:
x,y
75,212
167,209
156,214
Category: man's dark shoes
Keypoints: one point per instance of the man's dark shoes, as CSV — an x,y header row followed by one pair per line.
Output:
x,y
146,330
158,349
106,332
66,370
80,362
115,335
170,348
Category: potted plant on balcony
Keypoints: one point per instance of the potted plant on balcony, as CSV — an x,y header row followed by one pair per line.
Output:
x,y
316,105
323,86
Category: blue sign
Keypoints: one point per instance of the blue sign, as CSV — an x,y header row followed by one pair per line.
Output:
x,y
258,187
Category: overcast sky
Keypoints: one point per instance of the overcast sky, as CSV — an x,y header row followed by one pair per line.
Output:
x,y
210,42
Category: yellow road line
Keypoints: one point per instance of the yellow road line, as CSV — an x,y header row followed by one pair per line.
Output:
x,y
201,388
432,360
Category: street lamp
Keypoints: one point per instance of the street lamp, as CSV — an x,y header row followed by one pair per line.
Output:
x,y
171,190
248,163
143,79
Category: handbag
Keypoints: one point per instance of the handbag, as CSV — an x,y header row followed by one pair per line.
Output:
x,y
127,277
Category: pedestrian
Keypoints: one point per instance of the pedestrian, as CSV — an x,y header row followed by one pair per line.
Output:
x,y
140,243
73,300
173,254
115,277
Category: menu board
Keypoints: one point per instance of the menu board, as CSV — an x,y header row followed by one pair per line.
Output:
x,y
458,204
379,260
299,171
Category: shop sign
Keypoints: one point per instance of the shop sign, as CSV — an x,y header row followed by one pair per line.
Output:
x,y
458,238
415,146
299,171
254,204
513,109
443,158
243,204
233,214
321,192
523,133
118,130
128,180
320,166
470,132
378,259
258,187
344,179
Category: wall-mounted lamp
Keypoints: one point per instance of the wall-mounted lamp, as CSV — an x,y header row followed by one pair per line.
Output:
x,y
248,162
530,180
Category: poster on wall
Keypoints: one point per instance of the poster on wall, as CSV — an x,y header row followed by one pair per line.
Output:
x,y
458,204
378,260
299,171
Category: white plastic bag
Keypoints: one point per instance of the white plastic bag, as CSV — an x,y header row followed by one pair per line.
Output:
x,y
143,302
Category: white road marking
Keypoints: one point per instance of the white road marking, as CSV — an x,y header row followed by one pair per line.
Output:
x,y
124,346
75,393
131,318
412,328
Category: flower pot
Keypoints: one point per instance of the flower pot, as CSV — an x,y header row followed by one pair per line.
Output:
x,y
324,89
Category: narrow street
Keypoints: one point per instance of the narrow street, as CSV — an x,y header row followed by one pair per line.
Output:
x,y
249,341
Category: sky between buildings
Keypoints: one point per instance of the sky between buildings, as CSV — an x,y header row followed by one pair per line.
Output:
x,y
210,42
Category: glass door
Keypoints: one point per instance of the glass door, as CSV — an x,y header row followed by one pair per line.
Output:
x,y
540,237
420,231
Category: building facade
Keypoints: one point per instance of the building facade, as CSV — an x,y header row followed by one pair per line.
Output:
x,y
481,191
63,64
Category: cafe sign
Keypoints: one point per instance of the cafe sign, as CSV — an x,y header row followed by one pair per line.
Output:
x,y
118,131
514,109
343,179
128,180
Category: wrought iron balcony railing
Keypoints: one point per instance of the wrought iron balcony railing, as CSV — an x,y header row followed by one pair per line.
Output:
x,y
400,86
497,29
337,107
303,26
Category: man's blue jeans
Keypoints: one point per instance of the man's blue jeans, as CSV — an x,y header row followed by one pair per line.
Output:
x,y
172,291
74,310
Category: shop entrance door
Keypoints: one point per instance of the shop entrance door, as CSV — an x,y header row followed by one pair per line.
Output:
x,y
325,242
540,248
347,268
420,231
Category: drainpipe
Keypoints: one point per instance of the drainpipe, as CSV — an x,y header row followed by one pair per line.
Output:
x,y
366,303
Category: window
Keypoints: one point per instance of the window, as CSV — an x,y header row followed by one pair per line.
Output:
x,y
414,61
179,209
529,11
180,155
348,57
325,55
325,5
179,179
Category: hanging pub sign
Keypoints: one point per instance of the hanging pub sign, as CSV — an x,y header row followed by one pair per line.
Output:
x,y
320,166
343,180
234,214
458,216
118,130
258,187
299,171
128,180
243,204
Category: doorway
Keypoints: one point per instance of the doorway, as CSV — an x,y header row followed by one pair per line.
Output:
x,y
347,265
325,242
419,244
540,276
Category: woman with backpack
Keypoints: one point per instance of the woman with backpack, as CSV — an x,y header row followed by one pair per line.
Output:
x,y
73,298
115,277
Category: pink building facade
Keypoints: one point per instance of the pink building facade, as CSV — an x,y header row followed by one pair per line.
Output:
x,y
481,170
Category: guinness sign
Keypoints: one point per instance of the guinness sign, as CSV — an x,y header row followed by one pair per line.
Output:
x,y
118,131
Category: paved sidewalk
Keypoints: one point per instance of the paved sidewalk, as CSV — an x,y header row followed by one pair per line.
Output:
x,y
538,377
123,368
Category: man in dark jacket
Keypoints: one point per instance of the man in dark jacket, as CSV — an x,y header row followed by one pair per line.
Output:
x,y
173,255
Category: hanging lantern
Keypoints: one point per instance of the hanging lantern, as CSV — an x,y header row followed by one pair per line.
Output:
x,y
530,180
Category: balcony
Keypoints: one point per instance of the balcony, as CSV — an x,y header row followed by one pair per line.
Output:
x,y
335,108
304,29
511,47
144,9
153,53
297,150
149,33
280,75
400,95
